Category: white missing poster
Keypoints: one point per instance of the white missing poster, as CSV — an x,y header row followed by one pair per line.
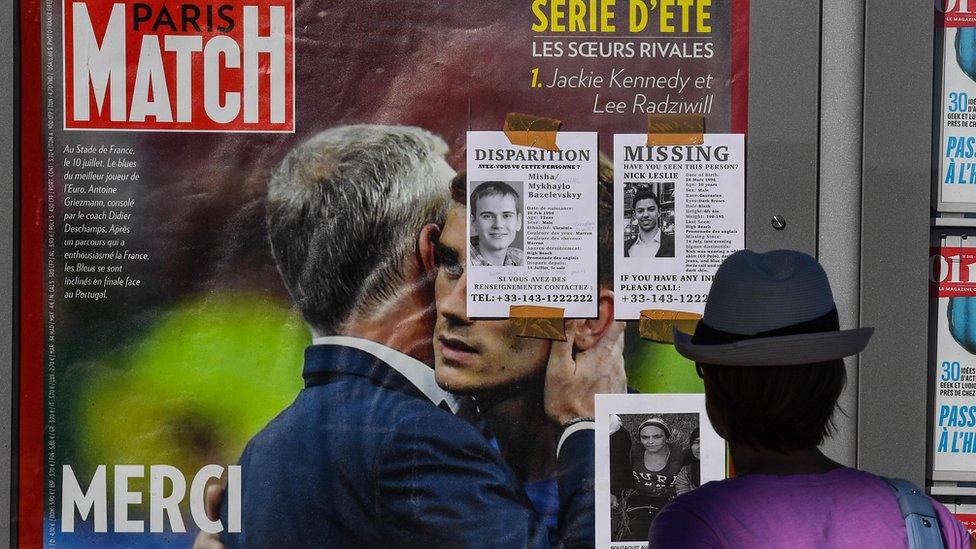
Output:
x,y
532,221
650,449
679,211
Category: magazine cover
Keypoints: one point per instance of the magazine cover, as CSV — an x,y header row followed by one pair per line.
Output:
x,y
955,97
964,512
953,281
209,189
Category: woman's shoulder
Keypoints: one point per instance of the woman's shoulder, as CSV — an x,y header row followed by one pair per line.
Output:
x,y
754,499
761,492
762,489
840,501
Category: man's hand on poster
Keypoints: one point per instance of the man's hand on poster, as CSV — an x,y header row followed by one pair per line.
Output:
x,y
589,362
211,503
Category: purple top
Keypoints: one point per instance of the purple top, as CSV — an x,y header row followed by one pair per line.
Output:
x,y
841,508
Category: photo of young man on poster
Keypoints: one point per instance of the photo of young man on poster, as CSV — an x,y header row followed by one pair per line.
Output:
x,y
505,373
649,238
371,399
496,219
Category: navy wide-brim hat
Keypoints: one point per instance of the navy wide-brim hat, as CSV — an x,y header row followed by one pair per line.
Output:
x,y
770,309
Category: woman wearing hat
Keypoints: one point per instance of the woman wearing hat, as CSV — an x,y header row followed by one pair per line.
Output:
x,y
655,467
770,351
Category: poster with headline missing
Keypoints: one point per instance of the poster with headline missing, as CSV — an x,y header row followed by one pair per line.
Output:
x,y
532,225
678,212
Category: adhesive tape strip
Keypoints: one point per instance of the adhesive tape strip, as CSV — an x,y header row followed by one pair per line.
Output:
x,y
675,129
539,322
532,131
657,324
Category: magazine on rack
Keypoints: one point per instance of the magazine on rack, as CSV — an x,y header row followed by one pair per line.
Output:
x,y
243,264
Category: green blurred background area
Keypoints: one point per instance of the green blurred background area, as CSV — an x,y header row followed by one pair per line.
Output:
x,y
654,367
190,390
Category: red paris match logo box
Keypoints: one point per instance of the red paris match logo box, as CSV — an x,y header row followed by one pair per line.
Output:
x,y
162,65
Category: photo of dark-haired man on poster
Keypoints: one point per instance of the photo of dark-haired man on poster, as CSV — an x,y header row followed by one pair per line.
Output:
x,y
647,220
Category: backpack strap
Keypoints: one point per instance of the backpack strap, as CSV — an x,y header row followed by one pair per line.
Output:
x,y
921,521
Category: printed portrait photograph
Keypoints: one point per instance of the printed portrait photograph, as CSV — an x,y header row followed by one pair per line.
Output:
x,y
648,220
654,458
496,222
650,449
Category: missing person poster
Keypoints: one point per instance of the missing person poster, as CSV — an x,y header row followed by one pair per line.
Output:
x,y
243,266
679,211
955,188
532,224
650,449
953,281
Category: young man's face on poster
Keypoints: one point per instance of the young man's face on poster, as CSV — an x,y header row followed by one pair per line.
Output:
x,y
497,220
646,212
474,355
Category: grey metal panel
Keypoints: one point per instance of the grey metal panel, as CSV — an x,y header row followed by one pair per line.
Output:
x,y
894,236
838,234
7,159
781,172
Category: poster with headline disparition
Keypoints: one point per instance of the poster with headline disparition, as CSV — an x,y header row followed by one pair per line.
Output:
x,y
678,212
532,225
214,196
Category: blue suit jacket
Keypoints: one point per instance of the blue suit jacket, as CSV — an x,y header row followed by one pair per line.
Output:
x,y
362,458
